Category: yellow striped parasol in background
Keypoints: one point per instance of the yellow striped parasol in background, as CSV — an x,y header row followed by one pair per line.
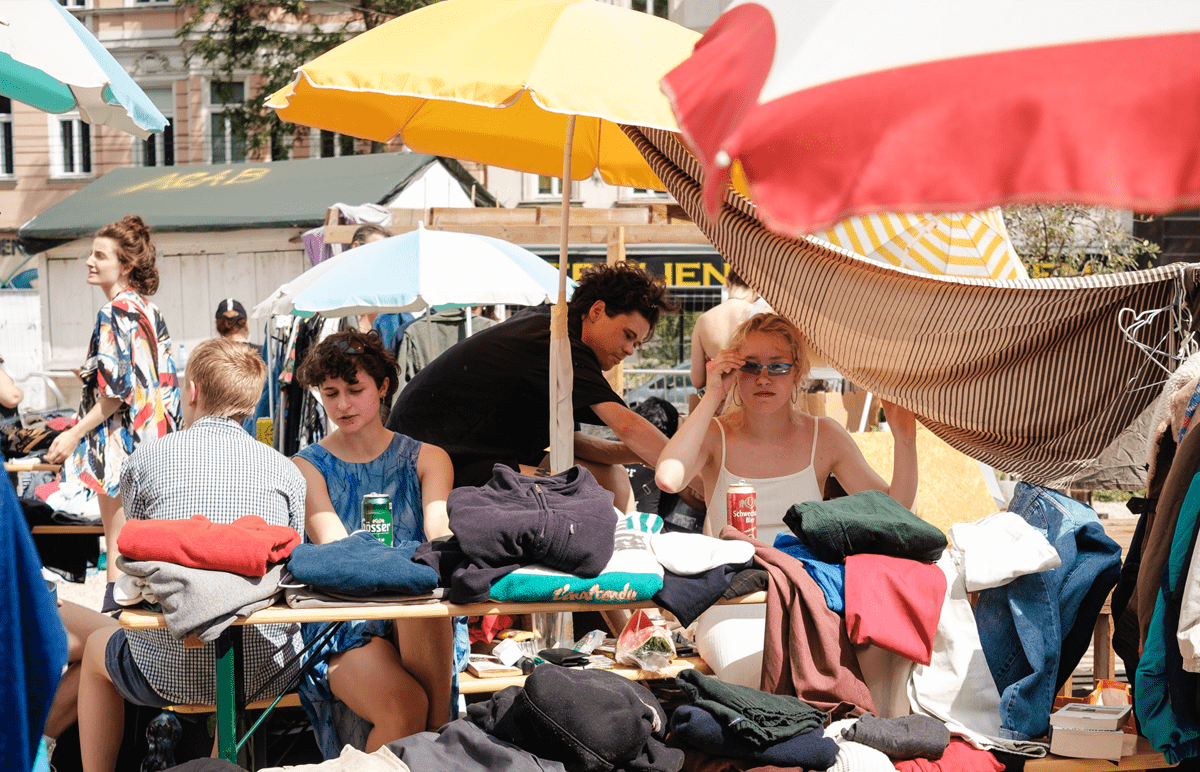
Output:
x,y
969,244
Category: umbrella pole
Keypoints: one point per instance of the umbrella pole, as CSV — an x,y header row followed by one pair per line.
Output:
x,y
562,424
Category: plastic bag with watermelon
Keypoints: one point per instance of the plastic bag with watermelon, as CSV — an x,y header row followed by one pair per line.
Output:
x,y
644,644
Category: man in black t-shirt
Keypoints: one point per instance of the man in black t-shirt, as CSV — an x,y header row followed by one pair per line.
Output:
x,y
486,399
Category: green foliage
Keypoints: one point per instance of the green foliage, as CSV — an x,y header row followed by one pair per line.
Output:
x,y
1072,240
272,39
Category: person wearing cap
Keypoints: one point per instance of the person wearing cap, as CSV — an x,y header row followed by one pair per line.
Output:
x,y
231,321
233,325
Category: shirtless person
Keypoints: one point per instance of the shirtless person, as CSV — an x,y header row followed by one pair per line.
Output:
x,y
714,329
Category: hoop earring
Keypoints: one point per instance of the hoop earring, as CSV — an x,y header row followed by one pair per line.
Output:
x,y
737,398
796,395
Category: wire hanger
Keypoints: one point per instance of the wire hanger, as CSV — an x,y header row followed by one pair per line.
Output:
x,y
1131,324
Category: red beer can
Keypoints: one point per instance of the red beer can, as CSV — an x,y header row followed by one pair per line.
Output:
x,y
743,508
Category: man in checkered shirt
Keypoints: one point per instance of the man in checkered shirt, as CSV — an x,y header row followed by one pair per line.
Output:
x,y
212,468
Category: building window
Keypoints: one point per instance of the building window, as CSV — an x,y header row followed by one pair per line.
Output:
x,y
549,187
152,2
333,145
159,148
71,146
7,167
71,3
227,140
653,7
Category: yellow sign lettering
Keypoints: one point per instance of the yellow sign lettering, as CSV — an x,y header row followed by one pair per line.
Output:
x,y
248,175
685,274
215,179
158,183
714,273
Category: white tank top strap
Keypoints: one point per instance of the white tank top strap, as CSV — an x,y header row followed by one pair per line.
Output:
x,y
722,428
812,458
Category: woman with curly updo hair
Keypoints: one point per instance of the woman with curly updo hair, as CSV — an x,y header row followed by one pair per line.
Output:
x,y
130,389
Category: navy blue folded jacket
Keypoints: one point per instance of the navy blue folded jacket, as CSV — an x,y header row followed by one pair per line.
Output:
x,y
697,728
360,564
565,522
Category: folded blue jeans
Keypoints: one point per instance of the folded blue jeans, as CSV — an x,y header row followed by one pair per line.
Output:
x,y
1028,620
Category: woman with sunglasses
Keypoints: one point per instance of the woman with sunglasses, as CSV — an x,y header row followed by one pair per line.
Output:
x,y
390,675
765,439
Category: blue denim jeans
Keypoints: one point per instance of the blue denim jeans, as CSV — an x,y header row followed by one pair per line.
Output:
x,y
1024,624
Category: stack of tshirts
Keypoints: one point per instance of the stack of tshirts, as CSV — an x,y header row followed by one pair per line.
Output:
x,y
204,575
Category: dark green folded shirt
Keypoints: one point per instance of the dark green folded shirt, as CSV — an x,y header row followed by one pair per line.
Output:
x,y
868,522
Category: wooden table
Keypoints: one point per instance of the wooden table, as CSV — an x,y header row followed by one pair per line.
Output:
x,y
229,655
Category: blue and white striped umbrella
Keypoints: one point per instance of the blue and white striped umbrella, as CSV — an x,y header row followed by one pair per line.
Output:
x,y
49,60
429,268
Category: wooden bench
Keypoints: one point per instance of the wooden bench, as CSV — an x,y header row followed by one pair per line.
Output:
x,y
289,700
469,684
62,530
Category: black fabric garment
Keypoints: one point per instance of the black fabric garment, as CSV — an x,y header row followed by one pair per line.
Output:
x,y
69,555
590,720
697,728
865,522
1126,638
565,522
462,746
295,395
486,400
687,597
759,718
593,721
747,581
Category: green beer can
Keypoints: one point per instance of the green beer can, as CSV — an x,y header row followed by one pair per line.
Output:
x,y
377,516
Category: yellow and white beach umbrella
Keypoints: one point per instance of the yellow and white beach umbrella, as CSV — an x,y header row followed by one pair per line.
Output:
x,y
973,244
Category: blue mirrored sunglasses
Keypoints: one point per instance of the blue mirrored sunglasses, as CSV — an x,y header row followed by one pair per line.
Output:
x,y
774,369
346,347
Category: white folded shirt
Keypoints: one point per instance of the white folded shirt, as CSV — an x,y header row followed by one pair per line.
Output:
x,y
687,554
998,548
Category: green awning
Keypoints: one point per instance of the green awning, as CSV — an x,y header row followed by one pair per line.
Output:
x,y
282,194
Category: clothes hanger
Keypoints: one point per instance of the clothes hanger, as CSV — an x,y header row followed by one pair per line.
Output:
x,y
1132,323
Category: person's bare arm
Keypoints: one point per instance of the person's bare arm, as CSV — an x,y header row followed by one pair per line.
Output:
x,y
636,433
321,522
64,444
688,451
436,474
10,394
699,360
601,451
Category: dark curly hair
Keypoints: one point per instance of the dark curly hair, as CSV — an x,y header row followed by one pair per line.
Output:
x,y
342,354
134,249
624,288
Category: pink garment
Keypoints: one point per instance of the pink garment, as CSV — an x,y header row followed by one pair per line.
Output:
x,y
805,652
894,603
243,547
960,756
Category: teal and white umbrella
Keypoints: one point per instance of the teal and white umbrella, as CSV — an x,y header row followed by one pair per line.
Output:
x,y
428,268
50,61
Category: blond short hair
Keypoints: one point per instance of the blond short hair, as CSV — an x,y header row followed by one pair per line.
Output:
x,y
229,375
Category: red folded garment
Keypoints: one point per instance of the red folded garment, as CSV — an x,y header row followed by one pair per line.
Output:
x,y
960,756
243,547
894,603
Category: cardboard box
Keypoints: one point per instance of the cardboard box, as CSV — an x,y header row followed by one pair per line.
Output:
x,y
1088,744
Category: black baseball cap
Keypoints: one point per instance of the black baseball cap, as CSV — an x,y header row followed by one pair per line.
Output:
x,y
231,309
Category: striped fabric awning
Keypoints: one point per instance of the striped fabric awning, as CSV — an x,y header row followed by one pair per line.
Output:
x,y
1034,377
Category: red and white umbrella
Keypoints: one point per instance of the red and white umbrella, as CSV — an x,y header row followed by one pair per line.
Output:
x,y
849,107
